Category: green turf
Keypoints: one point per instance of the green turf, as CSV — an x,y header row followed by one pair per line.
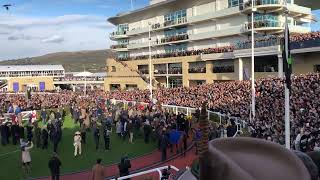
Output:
x,y
10,165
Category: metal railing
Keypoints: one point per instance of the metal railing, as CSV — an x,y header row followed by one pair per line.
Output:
x,y
159,170
217,117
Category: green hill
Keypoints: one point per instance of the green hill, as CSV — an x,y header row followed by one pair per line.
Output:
x,y
93,61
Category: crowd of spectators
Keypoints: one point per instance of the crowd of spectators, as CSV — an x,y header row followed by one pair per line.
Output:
x,y
230,98
233,98
295,38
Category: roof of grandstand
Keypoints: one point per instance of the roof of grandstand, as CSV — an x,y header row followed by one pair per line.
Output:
x,y
98,74
31,68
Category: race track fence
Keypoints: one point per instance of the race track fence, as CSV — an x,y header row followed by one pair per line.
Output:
x,y
221,119
159,170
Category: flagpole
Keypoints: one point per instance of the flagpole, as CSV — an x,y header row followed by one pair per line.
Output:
x,y
253,91
286,91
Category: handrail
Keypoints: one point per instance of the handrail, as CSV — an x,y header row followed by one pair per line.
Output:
x,y
159,169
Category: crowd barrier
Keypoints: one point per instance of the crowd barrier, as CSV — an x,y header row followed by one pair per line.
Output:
x,y
221,119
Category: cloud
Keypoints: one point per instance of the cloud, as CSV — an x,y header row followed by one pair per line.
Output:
x,y
27,36
53,39
20,37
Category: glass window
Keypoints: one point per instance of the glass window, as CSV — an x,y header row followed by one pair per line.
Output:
x,y
175,16
223,66
233,3
175,48
266,64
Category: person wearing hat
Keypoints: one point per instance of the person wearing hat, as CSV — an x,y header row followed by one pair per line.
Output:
x,y
25,156
77,143
249,159
54,166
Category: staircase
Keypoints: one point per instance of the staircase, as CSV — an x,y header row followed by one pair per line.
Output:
x,y
145,78
2,86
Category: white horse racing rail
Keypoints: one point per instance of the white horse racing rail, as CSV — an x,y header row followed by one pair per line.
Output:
x,y
159,170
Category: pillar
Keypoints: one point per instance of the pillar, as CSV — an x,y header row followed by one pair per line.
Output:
x,y
280,66
240,68
167,81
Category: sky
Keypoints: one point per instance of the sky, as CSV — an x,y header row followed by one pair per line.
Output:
x,y
37,27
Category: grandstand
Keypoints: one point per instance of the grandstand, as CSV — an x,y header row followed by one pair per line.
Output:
x,y
18,78
38,77
196,42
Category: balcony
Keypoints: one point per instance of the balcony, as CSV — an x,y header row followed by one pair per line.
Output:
x,y
119,47
138,45
307,43
264,6
174,38
269,26
158,26
118,35
259,43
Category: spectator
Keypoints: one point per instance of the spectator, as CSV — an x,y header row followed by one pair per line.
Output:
x,y
98,171
124,167
54,166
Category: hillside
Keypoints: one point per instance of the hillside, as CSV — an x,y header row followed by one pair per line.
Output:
x,y
93,61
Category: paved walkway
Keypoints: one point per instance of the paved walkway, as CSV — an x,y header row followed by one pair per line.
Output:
x,y
137,163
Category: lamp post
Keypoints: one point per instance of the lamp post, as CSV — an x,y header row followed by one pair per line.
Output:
x,y
253,90
150,69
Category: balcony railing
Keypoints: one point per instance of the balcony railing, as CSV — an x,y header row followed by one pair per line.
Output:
x,y
310,43
265,42
118,46
248,4
174,38
263,24
175,71
197,70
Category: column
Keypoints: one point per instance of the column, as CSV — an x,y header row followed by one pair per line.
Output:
x,y
167,81
240,69
280,66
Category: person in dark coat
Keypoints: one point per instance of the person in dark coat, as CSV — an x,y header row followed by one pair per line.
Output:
x,y
29,133
96,135
37,135
21,132
4,134
231,129
54,166
163,145
124,167
83,134
15,133
147,131
55,140
44,138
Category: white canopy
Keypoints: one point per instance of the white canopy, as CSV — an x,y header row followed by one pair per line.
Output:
x,y
84,74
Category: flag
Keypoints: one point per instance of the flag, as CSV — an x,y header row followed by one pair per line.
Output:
x,y
286,56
